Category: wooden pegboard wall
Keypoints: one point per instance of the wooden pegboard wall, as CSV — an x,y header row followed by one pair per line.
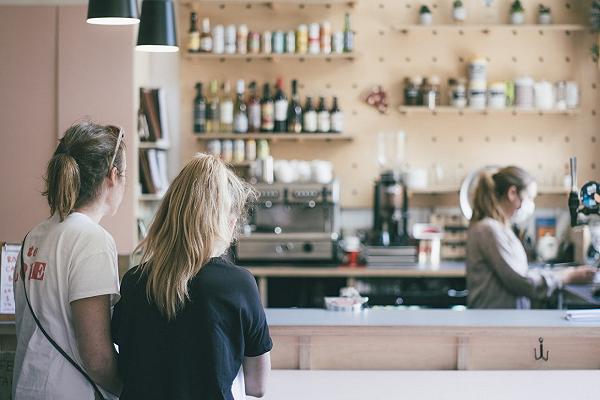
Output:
x,y
542,144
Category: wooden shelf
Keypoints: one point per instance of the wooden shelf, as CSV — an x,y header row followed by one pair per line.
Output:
x,y
297,137
154,145
490,28
408,110
270,57
273,3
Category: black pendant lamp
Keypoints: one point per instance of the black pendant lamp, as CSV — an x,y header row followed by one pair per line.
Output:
x,y
158,32
112,12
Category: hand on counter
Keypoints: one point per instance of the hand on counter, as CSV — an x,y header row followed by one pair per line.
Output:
x,y
581,274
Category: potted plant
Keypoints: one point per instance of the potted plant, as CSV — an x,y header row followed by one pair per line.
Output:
x,y
544,15
517,13
425,16
459,11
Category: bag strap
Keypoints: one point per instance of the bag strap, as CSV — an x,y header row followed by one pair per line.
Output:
x,y
52,342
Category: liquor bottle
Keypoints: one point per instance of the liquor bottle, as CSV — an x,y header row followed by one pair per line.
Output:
x,y
206,39
226,108
199,110
337,117
294,119
281,108
348,36
213,119
323,121
267,110
253,107
193,34
310,117
240,115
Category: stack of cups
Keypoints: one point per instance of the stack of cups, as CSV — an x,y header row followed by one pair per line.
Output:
x,y
478,83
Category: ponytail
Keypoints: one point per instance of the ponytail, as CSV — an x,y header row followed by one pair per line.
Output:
x,y
62,184
485,203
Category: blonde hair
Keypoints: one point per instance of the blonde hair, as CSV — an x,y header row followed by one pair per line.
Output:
x,y
491,188
202,207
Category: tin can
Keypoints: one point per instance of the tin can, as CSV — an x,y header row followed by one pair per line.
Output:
x,y
230,39
278,42
302,39
290,42
325,37
254,42
266,42
218,39
242,39
337,42
314,46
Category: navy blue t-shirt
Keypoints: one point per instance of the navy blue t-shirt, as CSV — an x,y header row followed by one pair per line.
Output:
x,y
199,353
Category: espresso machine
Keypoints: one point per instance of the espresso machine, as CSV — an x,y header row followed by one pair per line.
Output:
x,y
292,222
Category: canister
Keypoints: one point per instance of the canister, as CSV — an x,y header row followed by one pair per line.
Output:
x,y
266,42
524,93
242,39
262,149
278,42
302,39
214,147
325,37
572,94
478,69
543,94
254,43
239,151
250,150
477,94
218,39
337,42
290,42
230,39
497,95
227,150
313,39
458,93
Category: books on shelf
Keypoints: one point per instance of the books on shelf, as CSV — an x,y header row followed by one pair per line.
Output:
x,y
153,171
152,116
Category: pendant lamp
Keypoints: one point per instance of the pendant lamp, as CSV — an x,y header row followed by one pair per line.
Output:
x,y
112,12
158,32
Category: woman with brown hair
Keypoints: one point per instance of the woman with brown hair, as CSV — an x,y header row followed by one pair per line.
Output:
x,y
68,278
498,274
189,319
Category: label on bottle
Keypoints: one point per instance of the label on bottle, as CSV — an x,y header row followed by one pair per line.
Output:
x,y
323,123
240,123
194,41
227,112
337,122
200,118
254,117
310,121
267,117
281,109
206,44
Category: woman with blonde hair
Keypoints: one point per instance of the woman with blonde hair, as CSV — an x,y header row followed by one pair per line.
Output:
x,y
498,274
188,319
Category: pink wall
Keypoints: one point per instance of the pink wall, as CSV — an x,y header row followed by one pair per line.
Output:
x,y
55,70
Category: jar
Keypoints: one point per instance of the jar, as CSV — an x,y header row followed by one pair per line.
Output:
x,y
411,92
266,42
242,39
325,37
230,39
572,95
431,92
457,93
302,39
227,150
497,96
254,42
524,93
278,42
214,147
543,94
290,42
239,151
262,149
250,150
477,95
313,39
478,70
337,42
218,39
561,95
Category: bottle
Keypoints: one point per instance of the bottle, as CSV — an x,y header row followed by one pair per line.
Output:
x,y
281,108
267,110
310,117
240,115
253,107
294,119
199,110
206,39
323,121
226,108
213,119
193,35
337,117
348,36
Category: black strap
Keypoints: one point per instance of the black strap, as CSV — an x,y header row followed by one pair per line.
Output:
x,y
52,342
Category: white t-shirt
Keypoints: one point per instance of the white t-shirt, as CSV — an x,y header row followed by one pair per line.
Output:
x,y
65,261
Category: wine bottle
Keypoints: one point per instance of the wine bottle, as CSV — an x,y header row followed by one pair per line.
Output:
x,y
193,34
253,107
213,119
310,117
199,110
206,39
281,108
348,35
323,121
226,108
267,110
294,120
240,115
337,117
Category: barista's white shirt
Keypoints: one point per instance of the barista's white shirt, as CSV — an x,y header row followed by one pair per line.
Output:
x,y
66,261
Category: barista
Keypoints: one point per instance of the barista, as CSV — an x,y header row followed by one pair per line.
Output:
x,y
498,275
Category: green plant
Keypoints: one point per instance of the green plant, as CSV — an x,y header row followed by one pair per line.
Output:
x,y
516,7
544,10
458,3
425,10
595,16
